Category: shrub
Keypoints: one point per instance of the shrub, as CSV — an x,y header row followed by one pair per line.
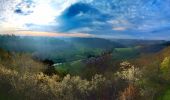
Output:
x,y
165,68
24,63
31,86
129,73
130,93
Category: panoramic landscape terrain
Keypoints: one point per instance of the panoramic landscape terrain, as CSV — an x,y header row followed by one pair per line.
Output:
x,y
84,50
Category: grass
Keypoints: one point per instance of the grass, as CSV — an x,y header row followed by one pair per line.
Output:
x,y
166,96
125,53
124,49
4,96
74,67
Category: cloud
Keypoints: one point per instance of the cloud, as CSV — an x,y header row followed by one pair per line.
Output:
x,y
119,28
36,12
6,8
99,17
43,34
129,16
25,7
80,15
77,16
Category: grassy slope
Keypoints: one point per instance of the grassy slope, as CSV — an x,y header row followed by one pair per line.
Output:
x,y
73,68
167,95
125,53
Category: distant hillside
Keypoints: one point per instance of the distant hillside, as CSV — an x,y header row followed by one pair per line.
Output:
x,y
57,49
15,43
97,43
135,42
153,57
72,49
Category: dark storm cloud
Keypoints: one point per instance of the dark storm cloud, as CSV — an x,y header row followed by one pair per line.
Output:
x,y
113,16
81,15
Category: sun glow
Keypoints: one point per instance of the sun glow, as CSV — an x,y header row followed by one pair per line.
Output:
x,y
43,34
41,12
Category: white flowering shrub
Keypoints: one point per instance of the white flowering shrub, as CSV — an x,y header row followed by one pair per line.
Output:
x,y
31,86
128,72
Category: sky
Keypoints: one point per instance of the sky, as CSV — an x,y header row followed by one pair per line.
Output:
x,y
130,19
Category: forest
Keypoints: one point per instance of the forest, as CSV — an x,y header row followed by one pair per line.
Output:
x,y
49,68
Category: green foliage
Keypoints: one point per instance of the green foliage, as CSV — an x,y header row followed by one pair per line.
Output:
x,y
73,68
59,50
166,95
165,68
125,53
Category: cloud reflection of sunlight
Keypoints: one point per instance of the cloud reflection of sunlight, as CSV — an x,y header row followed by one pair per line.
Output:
x,y
44,34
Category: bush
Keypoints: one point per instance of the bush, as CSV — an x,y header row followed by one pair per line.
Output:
x,y
130,93
165,68
129,73
24,63
31,86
